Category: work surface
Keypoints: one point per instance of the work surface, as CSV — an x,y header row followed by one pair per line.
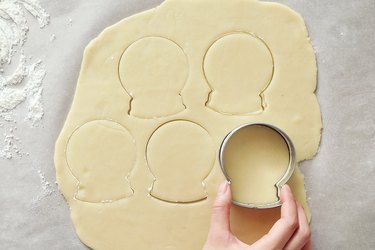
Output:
x,y
339,180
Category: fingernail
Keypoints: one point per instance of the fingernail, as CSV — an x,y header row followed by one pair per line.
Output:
x,y
223,188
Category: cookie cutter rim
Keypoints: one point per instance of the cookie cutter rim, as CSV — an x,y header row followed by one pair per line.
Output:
x,y
284,179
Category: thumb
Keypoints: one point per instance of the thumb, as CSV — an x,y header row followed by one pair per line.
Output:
x,y
220,225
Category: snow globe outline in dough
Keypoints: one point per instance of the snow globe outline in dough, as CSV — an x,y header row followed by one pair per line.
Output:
x,y
173,186
249,98
171,58
83,140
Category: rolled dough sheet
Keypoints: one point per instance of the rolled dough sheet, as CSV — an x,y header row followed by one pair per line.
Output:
x,y
137,159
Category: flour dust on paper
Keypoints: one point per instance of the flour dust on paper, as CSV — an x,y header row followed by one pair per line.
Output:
x,y
21,76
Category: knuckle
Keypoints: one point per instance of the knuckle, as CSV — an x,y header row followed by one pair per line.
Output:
x,y
219,205
218,211
292,224
217,208
306,233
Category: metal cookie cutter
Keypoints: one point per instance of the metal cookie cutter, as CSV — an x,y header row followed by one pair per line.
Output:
x,y
281,182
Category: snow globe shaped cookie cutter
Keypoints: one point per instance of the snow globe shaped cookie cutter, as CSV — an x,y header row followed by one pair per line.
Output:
x,y
284,179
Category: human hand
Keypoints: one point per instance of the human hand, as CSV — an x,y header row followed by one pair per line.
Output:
x,y
290,232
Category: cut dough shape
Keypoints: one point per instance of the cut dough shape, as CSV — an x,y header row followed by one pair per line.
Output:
x,y
185,30
99,152
179,164
255,159
238,67
154,70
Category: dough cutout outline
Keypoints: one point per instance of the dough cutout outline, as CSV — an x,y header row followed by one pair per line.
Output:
x,y
109,132
200,162
177,62
262,104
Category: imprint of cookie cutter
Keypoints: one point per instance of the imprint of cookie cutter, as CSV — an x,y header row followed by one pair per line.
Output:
x,y
288,173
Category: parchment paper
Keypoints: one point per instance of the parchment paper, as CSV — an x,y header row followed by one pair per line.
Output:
x,y
339,181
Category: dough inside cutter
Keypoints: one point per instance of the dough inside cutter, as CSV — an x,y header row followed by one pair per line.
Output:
x,y
255,158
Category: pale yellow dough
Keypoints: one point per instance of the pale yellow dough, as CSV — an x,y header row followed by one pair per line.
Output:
x,y
137,159
255,159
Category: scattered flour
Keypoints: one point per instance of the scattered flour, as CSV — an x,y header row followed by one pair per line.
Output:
x,y
52,37
23,83
11,147
47,188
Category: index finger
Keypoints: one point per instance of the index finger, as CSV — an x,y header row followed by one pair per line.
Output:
x,y
284,228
